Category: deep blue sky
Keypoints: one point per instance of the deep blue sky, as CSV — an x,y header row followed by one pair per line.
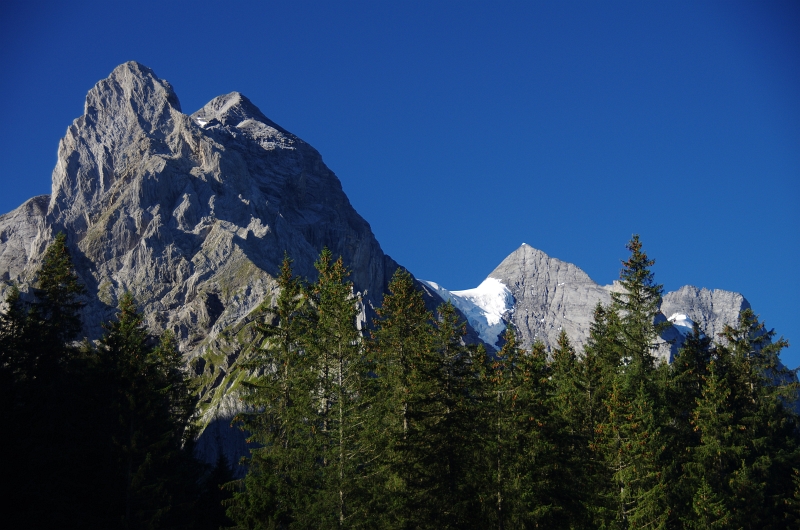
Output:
x,y
460,130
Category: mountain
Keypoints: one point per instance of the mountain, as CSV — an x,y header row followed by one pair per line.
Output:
x,y
192,214
541,296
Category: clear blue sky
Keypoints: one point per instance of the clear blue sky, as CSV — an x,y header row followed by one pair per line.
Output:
x,y
461,129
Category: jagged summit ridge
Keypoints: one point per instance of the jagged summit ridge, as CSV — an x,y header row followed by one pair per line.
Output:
x,y
192,214
549,295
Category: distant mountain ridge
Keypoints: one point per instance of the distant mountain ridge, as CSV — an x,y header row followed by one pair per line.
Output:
x,y
541,295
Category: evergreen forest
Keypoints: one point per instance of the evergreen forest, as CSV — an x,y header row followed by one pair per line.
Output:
x,y
397,423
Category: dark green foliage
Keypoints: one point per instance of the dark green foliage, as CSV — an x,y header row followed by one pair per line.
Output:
x,y
404,427
505,442
282,470
402,357
742,465
419,430
336,349
43,410
58,292
208,512
307,401
145,411
447,428
99,437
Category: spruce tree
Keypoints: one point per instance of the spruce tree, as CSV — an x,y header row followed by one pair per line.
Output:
x,y
451,433
146,468
58,292
548,498
596,372
748,437
400,349
282,474
568,401
688,375
334,344
504,443
632,440
42,382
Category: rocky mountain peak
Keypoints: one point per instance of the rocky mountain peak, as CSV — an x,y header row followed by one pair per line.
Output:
x,y
541,296
232,109
132,86
191,217
234,115
528,265
130,116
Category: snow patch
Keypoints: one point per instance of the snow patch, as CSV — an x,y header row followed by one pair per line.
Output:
x,y
484,306
682,323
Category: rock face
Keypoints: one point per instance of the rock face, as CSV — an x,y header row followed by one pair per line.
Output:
x,y
550,295
191,214
712,310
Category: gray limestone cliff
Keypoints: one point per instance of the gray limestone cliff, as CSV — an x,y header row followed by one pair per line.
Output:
x,y
551,295
192,214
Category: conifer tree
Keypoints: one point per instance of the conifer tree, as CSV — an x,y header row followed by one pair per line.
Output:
x,y
567,405
400,350
632,441
281,475
41,379
451,433
336,349
505,443
748,437
548,498
637,305
144,415
688,375
595,373
58,292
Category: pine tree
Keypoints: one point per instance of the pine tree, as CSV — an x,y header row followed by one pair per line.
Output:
x,y
282,474
632,441
41,379
567,404
334,343
58,292
748,437
596,372
214,496
400,349
449,418
504,443
638,305
145,412
688,375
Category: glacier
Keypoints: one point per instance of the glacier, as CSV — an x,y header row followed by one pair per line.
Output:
x,y
486,307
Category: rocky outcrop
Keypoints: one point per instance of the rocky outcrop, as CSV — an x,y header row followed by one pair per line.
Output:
x,y
710,309
549,295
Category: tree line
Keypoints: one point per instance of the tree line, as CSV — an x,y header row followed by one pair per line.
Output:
x,y
401,425
406,426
